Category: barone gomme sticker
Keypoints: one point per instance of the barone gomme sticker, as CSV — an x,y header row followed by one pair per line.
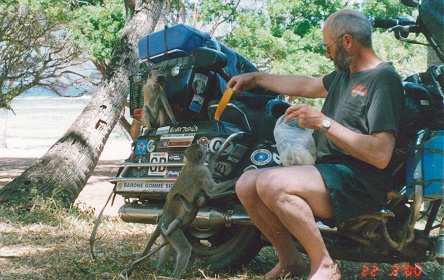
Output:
x,y
147,187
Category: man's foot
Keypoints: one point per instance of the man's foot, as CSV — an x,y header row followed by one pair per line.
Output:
x,y
330,272
281,271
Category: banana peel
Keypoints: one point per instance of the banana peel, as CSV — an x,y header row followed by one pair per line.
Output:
x,y
223,103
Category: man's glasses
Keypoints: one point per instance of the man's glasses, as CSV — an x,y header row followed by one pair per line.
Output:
x,y
327,47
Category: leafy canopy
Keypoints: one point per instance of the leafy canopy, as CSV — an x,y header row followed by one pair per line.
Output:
x,y
278,36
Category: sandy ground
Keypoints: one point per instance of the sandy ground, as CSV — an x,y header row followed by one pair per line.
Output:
x,y
14,161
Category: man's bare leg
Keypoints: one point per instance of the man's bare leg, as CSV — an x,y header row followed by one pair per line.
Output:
x,y
275,193
295,195
290,260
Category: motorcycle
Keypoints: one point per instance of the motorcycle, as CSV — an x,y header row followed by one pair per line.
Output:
x,y
222,235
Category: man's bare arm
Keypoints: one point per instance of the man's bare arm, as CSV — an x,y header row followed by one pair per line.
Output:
x,y
292,85
375,149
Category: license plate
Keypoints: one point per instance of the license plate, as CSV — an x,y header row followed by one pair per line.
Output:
x,y
143,186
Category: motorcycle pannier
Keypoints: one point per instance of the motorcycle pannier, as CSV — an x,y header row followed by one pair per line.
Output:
x,y
176,41
431,166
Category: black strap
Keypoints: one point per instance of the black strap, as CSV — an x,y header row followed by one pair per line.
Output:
x,y
165,42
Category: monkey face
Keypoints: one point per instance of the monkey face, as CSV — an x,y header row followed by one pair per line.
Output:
x,y
196,153
156,77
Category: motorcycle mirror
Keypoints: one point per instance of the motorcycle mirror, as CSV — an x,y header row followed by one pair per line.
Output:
x,y
410,3
209,58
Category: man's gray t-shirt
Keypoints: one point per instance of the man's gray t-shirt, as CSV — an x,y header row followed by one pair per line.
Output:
x,y
365,102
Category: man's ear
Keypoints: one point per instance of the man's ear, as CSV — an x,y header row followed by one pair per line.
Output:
x,y
347,41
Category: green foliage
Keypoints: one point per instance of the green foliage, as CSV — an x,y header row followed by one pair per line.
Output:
x,y
53,10
94,25
406,58
299,16
386,9
213,10
305,57
97,27
278,36
283,36
33,46
253,39
6,97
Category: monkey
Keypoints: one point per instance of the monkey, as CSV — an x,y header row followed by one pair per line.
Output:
x,y
182,203
132,5
155,103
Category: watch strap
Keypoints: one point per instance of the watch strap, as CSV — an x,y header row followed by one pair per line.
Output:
x,y
325,128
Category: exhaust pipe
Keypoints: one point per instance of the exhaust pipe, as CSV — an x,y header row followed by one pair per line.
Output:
x,y
207,217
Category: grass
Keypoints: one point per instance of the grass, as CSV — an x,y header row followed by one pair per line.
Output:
x,y
48,241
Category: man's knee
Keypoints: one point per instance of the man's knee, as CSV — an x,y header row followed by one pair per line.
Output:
x,y
267,184
245,186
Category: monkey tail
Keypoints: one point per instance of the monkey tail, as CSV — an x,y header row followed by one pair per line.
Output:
x,y
136,262
146,253
153,238
92,238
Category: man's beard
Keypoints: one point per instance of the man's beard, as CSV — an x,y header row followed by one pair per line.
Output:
x,y
342,59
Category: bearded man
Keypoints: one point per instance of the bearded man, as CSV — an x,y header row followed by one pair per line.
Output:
x,y
355,135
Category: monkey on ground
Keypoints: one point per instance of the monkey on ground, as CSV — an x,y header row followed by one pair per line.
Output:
x,y
156,109
181,207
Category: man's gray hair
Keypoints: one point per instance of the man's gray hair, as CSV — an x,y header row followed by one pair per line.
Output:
x,y
357,26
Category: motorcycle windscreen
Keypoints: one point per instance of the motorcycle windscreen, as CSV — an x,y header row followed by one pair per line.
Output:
x,y
432,14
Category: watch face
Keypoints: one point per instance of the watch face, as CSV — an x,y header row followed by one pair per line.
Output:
x,y
326,123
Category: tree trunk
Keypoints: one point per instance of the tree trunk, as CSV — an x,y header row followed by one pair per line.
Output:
x,y
64,170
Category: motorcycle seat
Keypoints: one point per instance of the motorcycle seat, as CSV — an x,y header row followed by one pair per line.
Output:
x,y
255,114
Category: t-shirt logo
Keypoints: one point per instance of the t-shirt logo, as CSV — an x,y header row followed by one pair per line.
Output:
x,y
358,90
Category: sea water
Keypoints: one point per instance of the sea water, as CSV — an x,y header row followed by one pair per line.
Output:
x,y
37,121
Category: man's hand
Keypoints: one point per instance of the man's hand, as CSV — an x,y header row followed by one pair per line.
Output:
x,y
242,82
306,116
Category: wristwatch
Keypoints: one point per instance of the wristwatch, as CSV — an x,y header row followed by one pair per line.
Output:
x,y
326,123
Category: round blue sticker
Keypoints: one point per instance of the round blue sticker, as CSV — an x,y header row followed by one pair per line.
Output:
x,y
261,157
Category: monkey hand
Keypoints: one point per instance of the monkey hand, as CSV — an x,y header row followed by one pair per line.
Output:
x,y
174,224
221,187
201,199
